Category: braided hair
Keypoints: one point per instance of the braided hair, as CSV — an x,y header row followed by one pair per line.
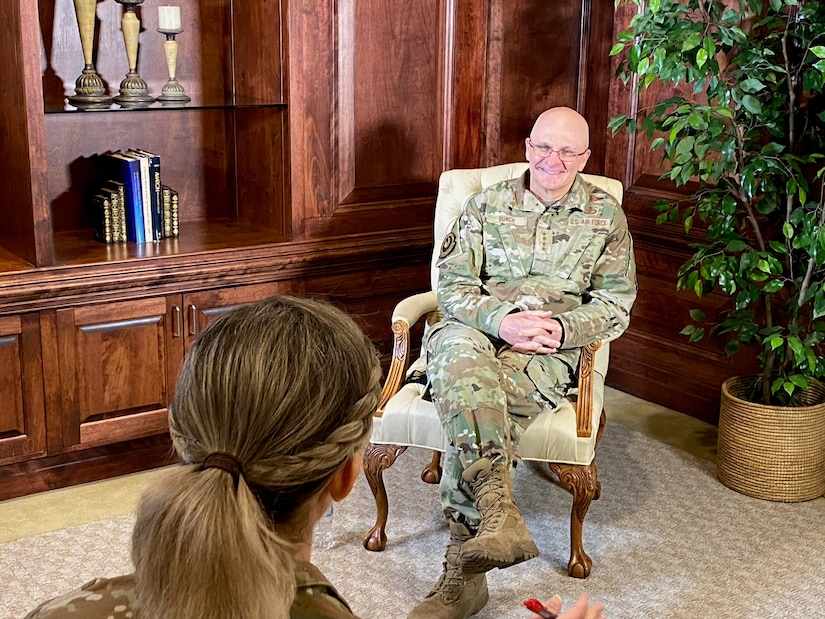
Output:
x,y
284,390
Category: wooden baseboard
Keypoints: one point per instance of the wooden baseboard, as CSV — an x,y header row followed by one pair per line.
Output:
x,y
61,471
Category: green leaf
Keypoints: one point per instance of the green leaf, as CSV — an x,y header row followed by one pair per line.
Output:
x,y
787,230
617,122
701,57
772,148
697,315
691,42
625,36
819,304
777,384
736,246
775,342
775,285
617,49
776,5
752,104
739,34
751,85
797,348
643,66
798,380
818,51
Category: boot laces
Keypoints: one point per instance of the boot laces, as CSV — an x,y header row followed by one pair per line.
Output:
x,y
494,493
451,581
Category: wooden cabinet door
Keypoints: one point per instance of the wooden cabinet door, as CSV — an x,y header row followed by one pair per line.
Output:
x,y
22,410
114,362
203,307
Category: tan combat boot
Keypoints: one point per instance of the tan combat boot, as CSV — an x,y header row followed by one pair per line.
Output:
x,y
503,538
455,596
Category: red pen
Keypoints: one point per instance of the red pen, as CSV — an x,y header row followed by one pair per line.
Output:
x,y
540,609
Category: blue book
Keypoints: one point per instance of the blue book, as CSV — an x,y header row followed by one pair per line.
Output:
x,y
156,191
126,170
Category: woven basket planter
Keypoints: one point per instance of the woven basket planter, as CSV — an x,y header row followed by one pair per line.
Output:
x,y
771,452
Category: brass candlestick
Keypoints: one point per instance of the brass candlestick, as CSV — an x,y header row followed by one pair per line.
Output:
x,y
90,92
133,89
172,92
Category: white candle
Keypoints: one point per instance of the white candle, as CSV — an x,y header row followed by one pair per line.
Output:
x,y
169,18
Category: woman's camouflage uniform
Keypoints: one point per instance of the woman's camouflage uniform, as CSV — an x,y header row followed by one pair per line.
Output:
x,y
114,598
508,252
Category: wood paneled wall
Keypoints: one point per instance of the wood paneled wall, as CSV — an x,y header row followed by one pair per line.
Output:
x,y
381,102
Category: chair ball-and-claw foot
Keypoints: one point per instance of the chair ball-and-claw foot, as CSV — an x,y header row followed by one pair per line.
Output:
x,y
375,540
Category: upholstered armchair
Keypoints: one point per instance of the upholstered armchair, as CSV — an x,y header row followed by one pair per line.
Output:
x,y
565,439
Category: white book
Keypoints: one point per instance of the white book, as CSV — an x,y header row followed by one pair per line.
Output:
x,y
146,193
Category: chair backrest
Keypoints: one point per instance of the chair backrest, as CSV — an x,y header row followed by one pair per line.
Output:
x,y
455,187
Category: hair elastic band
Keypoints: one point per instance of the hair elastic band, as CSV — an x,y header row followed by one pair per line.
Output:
x,y
224,461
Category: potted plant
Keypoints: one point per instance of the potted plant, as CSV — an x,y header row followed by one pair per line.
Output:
x,y
746,130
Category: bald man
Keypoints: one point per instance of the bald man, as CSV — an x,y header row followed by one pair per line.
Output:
x,y
534,269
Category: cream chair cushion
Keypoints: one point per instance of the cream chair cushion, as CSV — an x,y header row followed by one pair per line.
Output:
x,y
411,421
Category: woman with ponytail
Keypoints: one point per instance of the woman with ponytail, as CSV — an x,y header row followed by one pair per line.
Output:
x,y
271,413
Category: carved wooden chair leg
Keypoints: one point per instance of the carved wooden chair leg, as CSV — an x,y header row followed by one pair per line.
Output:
x,y
432,472
583,482
377,459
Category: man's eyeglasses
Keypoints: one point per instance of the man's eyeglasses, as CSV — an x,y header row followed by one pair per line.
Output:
x,y
565,154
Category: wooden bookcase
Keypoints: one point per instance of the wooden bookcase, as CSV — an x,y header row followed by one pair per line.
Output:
x,y
92,335
233,125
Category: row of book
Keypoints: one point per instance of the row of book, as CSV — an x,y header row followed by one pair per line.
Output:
x,y
130,202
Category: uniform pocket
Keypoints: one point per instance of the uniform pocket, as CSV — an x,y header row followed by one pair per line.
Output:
x,y
582,251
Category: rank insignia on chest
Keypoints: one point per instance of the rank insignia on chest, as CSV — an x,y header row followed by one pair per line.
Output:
x,y
448,245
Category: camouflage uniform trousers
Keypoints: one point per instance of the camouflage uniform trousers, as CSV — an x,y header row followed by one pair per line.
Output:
x,y
486,395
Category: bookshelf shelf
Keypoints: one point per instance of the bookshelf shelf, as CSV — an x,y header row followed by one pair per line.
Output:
x,y
76,247
197,103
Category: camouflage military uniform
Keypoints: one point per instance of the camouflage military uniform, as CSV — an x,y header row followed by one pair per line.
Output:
x,y
508,252
114,598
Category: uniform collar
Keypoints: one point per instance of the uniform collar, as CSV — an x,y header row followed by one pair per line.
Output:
x,y
571,201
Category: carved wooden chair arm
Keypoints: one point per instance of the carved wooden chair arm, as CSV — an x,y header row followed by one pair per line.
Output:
x,y
408,312
584,402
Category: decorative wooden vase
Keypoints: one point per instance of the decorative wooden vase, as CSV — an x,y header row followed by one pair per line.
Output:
x,y
133,89
90,91
172,92
771,452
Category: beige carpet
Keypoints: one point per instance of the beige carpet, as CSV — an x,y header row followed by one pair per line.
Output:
x,y
667,540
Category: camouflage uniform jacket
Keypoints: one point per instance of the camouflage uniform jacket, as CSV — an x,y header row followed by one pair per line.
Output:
x,y
509,252
114,598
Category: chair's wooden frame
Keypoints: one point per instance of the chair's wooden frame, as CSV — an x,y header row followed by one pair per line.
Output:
x,y
580,480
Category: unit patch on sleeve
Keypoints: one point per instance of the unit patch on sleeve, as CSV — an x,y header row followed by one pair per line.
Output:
x,y
447,246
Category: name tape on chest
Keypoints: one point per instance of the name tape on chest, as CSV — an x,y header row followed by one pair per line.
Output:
x,y
508,220
595,222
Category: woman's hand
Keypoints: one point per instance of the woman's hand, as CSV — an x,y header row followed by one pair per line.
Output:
x,y
582,609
